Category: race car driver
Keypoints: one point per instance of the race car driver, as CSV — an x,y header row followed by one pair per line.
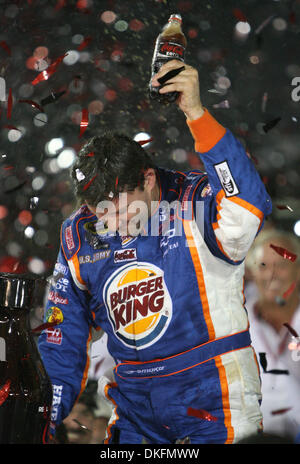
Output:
x,y
171,301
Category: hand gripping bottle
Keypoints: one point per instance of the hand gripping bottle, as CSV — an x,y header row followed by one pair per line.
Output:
x,y
170,45
25,388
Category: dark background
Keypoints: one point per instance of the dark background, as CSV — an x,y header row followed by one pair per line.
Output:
x,y
114,70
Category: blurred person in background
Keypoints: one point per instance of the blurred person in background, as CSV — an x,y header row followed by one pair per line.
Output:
x,y
270,305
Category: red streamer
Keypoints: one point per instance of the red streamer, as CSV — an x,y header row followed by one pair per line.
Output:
x,y
32,103
289,290
44,75
89,183
46,325
280,411
143,142
9,104
84,43
91,154
8,126
239,15
84,121
284,207
286,254
4,45
4,391
202,414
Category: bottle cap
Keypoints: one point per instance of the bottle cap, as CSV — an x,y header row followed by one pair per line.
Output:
x,y
16,290
175,17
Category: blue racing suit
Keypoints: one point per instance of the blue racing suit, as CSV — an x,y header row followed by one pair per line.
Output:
x,y
171,302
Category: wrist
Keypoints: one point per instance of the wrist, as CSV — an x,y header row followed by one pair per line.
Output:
x,y
194,113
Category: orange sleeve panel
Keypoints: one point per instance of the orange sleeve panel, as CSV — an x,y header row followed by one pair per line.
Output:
x,y
206,131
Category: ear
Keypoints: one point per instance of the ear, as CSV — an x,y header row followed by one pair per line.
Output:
x,y
150,179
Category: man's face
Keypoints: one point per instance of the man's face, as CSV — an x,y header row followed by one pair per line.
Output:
x,y
274,274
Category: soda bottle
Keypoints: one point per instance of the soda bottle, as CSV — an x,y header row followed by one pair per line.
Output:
x,y
170,44
25,388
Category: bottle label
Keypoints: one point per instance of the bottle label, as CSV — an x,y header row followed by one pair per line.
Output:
x,y
171,50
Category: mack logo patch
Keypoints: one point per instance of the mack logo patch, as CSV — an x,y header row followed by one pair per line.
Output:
x,y
125,255
227,181
138,304
54,336
69,238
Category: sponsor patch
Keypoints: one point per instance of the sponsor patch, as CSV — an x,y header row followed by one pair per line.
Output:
x,y
126,239
54,336
184,204
206,191
125,255
54,314
56,400
69,238
83,259
57,299
138,304
61,284
227,181
60,268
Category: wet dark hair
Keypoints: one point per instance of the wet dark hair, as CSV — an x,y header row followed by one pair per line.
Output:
x,y
109,163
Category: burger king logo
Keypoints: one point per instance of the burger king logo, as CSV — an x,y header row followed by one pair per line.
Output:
x,y
138,304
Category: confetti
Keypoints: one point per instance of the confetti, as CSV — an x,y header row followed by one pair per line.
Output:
x,y
84,43
239,15
14,189
89,183
84,427
9,104
263,363
32,103
269,125
4,391
291,330
290,290
222,104
8,126
52,97
284,207
263,24
5,47
201,414
170,74
84,121
143,142
79,175
284,252
44,326
44,75
264,102
280,411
